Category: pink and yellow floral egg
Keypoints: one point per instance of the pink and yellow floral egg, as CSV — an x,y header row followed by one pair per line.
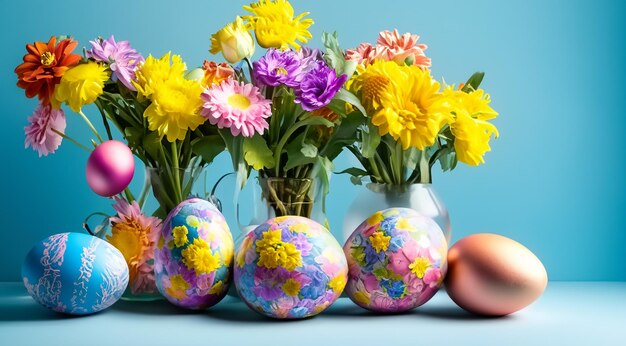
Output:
x,y
193,255
290,267
397,261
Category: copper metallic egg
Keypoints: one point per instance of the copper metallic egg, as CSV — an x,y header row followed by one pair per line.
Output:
x,y
489,274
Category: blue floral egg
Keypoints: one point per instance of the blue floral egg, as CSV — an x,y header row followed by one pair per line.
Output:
x,y
290,267
193,255
75,273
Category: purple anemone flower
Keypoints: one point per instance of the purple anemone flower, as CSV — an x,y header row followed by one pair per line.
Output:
x,y
122,59
278,67
318,87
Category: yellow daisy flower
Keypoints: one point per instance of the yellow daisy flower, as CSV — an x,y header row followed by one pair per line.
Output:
x,y
275,26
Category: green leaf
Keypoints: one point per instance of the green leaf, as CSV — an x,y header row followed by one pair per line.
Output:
x,y
295,153
256,153
208,147
356,174
371,140
344,134
323,170
308,150
473,82
334,55
134,136
152,144
448,159
411,158
348,97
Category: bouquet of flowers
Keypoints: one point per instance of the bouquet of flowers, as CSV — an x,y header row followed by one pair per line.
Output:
x,y
413,121
153,105
280,115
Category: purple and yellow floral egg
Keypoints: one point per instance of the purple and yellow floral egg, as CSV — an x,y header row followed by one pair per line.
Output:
x,y
75,273
397,261
193,256
290,267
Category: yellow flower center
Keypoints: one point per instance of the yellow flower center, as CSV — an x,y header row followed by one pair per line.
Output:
x,y
419,266
281,71
238,101
129,239
373,88
47,58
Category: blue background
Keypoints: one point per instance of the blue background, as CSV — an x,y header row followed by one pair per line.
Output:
x,y
555,70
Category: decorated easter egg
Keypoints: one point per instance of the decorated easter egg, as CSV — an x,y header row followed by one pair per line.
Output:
x,y
290,267
75,273
397,260
493,275
110,168
193,255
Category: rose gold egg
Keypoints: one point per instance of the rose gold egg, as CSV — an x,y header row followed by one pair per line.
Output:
x,y
489,274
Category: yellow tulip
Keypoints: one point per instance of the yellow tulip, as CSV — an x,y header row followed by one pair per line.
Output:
x,y
234,41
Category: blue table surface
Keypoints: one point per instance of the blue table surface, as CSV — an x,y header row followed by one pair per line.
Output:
x,y
569,313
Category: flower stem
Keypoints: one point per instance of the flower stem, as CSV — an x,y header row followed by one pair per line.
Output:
x,y
424,168
399,163
82,146
93,129
176,172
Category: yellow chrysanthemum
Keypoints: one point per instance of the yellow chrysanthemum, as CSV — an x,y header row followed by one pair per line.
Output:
x,y
273,252
471,138
406,112
81,85
153,72
469,126
371,82
337,283
178,287
175,108
199,257
234,41
291,287
175,100
274,24
380,241
419,266
180,235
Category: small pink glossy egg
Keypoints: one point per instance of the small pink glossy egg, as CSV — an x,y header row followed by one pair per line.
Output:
x,y
110,168
489,274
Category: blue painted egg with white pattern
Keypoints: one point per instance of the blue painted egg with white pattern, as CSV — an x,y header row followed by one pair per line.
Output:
x,y
75,273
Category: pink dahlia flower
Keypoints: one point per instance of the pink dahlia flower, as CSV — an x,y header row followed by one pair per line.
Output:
x,y
39,133
237,106
399,48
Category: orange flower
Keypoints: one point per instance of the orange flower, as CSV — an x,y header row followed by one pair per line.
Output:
x,y
43,67
215,73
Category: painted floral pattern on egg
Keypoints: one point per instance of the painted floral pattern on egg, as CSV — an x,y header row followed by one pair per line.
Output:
x,y
396,259
193,255
290,267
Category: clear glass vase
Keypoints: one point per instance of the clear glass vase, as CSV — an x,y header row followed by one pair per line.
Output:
x,y
170,187
375,197
272,197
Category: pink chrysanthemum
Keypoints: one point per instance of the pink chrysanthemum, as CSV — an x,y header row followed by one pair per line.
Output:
x,y
135,235
237,106
398,48
39,133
